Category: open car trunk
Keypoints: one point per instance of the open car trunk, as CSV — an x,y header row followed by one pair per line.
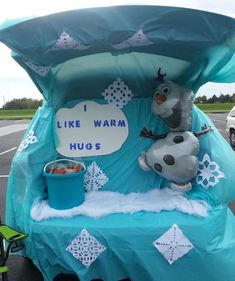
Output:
x,y
98,71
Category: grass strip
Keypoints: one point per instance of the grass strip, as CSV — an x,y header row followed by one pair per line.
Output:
x,y
6,114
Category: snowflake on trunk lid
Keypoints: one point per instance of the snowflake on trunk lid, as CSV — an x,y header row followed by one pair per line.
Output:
x,y
136,40
39,69
67,42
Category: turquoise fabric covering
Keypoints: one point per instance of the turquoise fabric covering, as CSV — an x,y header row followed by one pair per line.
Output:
x,y
192,47
122,234
130,252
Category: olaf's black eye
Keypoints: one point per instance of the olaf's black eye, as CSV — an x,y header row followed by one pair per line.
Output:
x,y
166,90
158,167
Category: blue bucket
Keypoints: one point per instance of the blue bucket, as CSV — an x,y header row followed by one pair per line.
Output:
x,y
65,191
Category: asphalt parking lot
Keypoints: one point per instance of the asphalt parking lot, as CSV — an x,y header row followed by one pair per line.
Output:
x,y
11,133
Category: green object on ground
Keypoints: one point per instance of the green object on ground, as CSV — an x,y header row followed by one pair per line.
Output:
x,y
12,237
10,234
3,269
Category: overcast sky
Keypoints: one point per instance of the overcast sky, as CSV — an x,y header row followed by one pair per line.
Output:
x,y
15,83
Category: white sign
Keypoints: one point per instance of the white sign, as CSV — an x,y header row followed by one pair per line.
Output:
x,y
90,129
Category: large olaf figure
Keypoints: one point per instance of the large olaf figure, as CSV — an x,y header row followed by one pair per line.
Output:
x,y
173,155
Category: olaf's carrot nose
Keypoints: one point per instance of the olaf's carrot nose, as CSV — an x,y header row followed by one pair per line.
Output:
x,y
160,99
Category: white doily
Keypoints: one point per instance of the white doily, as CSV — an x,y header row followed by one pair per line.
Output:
x,y
209,172
67,42
40,70
29,139
117,93
86,248
138,39
173,244
94,178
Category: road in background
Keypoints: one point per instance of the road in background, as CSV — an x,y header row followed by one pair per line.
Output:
x,y
219,121
11,133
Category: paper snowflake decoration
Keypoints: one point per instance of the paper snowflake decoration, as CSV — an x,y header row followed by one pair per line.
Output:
x,y
136,40
67,42
40,70
94,178
173,244
117,93
209,172
86,248
29,139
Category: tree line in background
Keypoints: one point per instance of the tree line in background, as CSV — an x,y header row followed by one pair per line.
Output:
x,y
23,103
216,99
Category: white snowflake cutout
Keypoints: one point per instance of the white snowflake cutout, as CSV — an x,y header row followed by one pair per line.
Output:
x,y
29,139
136,40
117,93
94,178
67,42
173,244
209,172
40,70
86,248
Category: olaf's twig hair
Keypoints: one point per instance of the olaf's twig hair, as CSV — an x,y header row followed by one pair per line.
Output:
x,y
160,76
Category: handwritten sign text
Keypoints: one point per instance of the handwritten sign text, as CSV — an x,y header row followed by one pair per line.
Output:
x,y
90,129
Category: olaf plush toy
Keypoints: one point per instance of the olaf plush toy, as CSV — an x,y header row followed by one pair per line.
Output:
x,y
173,155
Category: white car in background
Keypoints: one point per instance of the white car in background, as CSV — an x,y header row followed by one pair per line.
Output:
x,y
230,126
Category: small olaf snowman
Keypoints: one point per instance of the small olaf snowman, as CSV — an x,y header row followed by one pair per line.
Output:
x,y
173,155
